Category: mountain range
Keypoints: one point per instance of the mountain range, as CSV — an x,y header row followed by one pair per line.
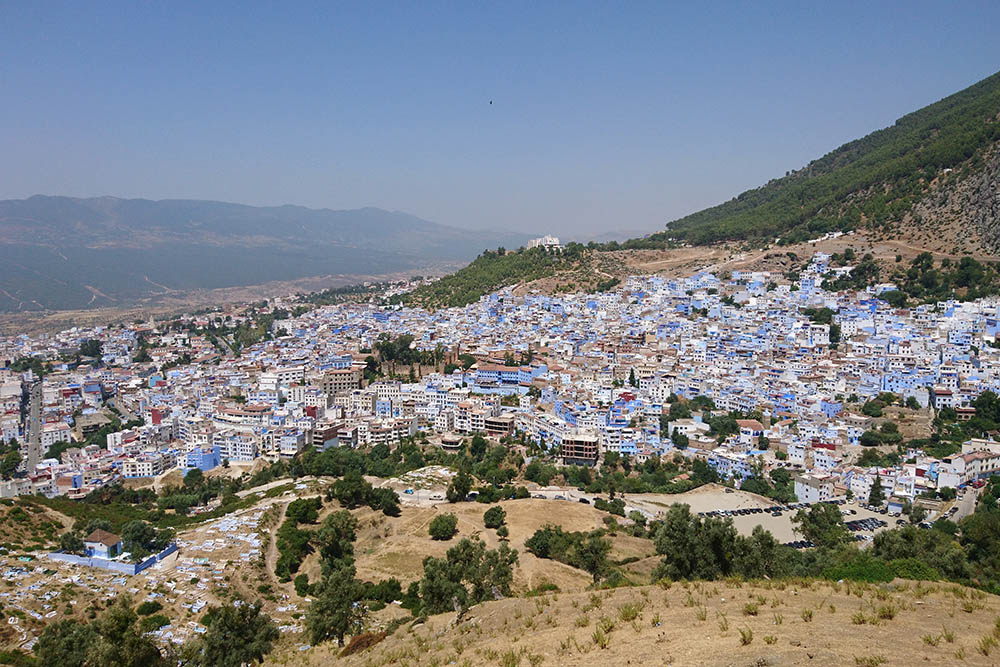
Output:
x,y
65,253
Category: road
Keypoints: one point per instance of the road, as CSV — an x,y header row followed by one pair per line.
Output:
x,y
966,504
34,427
270,485
126,413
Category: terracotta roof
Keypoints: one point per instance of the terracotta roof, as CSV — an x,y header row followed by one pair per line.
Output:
x,y
104,537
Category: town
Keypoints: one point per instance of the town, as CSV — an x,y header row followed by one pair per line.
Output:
x,y
811,378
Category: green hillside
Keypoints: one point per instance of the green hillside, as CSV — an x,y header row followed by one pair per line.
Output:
x,y
875,179
495,269
947,149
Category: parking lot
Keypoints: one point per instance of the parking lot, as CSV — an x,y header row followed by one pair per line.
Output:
x,y
863,523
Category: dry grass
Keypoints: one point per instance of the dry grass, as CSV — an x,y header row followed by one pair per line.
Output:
x,y
635,624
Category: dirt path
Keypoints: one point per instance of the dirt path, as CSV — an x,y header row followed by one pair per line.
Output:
x,y
272,546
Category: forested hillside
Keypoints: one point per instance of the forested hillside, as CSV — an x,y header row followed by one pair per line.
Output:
x,y
495,269
873,181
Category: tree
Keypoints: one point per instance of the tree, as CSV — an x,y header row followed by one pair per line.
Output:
x,y
822,524
194,477
876,497
65,643
9,463
760,555
679,411
237,635
695,548
477,447
872,409
494,517
91,348
302,587
384,499
120,641
592,555
870,439
917,514
459,487
352,490
502,532
467,575
702,473
97,524
335,539
443,526
335,612
138,537
71,543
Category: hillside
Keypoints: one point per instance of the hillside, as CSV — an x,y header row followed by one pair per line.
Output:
x,y
61,252
493,270
716,623
930,182
947,149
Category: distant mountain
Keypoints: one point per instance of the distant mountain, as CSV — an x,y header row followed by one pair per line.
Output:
x,y
63,252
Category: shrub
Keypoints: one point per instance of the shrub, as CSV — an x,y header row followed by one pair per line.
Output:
x,y
628,612
494,517
860,568
886,612
151,623
148,607
443,527
302,587
913,568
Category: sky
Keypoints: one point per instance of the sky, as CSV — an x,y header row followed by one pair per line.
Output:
x,y
604,116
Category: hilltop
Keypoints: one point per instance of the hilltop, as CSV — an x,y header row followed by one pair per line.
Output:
x,y
64,253
930,182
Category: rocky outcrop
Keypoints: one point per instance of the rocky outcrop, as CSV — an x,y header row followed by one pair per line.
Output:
x,y
982,201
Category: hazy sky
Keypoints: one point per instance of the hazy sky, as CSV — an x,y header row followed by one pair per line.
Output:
x,y
605,115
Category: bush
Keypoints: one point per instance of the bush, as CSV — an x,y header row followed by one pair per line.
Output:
x,y
148,607
913,568
443,527
860,568
302,587
494,517
151,623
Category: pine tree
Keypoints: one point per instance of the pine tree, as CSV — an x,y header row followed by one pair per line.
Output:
x,y
877,496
